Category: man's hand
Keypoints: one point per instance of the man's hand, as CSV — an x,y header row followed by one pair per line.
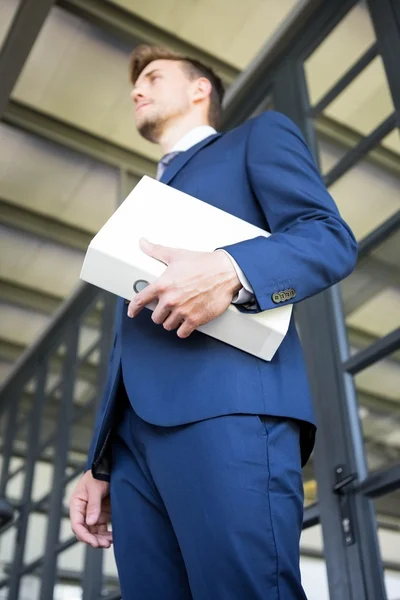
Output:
x,y
89,510
195,288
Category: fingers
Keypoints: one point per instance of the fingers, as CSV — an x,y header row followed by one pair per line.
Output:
x,y
160,314
92,539
186,328
93,509
97,536
141,299
173,321
102,535
81,529
157,251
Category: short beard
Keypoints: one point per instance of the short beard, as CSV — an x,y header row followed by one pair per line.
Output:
x,y
151,130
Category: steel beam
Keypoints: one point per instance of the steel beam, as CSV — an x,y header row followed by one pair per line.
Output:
x,y
382,348
26,25
132,30
69,136
10,351
43,226
31,299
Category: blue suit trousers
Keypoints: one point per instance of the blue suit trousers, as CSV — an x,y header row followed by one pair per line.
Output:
x,y
210,510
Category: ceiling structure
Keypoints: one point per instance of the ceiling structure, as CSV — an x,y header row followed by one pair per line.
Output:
x,y
69,127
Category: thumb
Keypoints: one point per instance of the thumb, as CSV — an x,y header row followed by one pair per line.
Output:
x,y
157,251
93,509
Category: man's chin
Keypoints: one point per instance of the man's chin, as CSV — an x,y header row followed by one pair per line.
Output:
x,y
149,130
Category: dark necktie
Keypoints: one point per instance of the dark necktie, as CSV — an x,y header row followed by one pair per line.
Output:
x,y
164,162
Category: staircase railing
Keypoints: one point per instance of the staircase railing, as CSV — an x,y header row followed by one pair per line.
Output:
x,y
47,407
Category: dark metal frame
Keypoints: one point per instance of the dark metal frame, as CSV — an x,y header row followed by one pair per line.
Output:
x,y
36,366
345,488
28,21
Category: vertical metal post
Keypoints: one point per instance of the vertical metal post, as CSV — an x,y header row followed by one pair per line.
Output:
x,y
65,412
32,452
385,15
92,581
10,428
353,562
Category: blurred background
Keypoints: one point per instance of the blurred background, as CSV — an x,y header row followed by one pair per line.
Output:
x,y
69,154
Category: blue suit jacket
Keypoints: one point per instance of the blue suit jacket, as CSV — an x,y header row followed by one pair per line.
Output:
x,y
264,173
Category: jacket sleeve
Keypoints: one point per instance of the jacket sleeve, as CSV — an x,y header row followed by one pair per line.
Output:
x,y
310,247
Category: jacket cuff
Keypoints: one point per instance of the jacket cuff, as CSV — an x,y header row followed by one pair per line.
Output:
x,y
246,294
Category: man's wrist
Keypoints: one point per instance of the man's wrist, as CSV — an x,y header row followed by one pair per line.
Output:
x,y
235,283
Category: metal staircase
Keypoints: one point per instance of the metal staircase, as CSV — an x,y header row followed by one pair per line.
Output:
x,y
47,407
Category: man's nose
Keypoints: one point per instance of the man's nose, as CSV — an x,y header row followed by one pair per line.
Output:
x,y
136,95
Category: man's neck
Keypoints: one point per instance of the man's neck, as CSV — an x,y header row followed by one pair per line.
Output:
x,y
176,131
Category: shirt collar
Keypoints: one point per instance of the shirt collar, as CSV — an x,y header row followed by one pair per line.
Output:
x,y
193,137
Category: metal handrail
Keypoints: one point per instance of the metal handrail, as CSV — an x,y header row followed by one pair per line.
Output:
x,y
71,309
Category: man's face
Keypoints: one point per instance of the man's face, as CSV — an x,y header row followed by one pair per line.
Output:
x,y
161,94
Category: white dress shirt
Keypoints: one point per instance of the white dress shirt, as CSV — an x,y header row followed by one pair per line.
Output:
x,y
193,137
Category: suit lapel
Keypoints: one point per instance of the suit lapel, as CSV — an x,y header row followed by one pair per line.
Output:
x,y
180,161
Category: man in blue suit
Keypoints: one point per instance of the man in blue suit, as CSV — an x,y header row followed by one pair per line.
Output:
x,y
198,446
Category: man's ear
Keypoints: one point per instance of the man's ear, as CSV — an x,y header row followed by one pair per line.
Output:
x,y
202,89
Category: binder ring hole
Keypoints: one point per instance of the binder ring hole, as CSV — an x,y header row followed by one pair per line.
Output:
x,y
139,285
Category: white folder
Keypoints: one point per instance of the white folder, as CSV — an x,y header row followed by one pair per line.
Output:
x,y
163,215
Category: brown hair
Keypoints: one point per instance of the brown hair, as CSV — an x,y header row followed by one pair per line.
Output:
x,y
144,54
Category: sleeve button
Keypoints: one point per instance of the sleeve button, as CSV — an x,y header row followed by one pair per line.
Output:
x,y
276,298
